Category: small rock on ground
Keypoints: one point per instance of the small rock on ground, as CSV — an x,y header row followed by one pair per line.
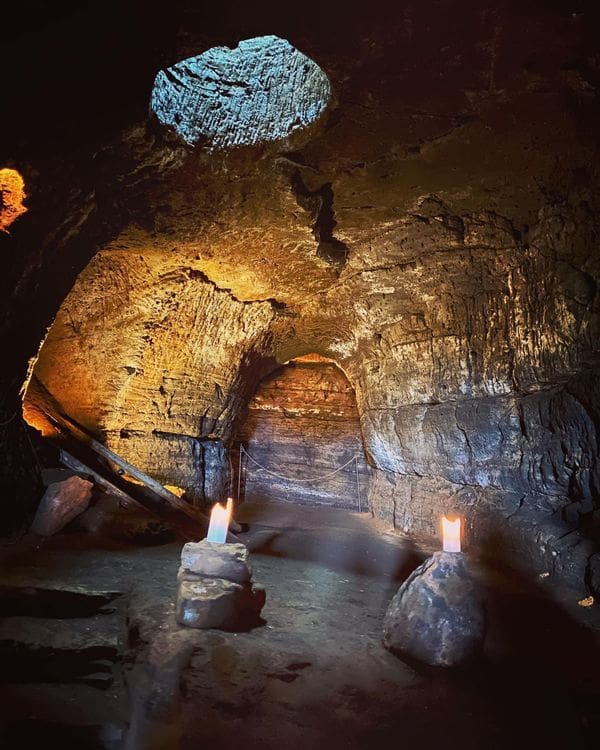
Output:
x,y
61,503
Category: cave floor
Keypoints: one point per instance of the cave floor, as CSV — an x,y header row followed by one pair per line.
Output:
x,y
92,656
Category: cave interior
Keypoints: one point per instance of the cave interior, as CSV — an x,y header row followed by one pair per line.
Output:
x,y
343,267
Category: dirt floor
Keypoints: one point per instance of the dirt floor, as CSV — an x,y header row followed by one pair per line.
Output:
x,y
93,657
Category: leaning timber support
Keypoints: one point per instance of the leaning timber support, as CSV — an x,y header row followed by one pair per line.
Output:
x,y
81,447
79,467
186,528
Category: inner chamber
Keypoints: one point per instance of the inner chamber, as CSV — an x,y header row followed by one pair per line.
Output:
x,y
301,441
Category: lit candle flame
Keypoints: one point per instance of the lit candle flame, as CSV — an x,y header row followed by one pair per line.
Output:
x,y
219,522
451,534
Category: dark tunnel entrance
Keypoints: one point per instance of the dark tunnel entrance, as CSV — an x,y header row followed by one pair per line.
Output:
x,y
301,440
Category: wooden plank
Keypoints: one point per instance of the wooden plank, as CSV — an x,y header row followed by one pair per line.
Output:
x,y
50,406
75,465
168,497
147,481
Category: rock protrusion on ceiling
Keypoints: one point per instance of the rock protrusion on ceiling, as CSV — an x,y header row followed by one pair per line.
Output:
x,y
263,90
12,195
319,203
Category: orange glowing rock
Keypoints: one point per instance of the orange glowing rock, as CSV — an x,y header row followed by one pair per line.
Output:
x,y
174,489
36,418
12,195
451,534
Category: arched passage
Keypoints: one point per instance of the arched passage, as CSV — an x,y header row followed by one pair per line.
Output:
x,y
303,424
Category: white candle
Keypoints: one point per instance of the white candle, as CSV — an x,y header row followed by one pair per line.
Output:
x,y
451,535
219,522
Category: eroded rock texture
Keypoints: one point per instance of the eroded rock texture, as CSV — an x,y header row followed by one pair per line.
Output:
x,y
168,328
12,195
263,90
437,238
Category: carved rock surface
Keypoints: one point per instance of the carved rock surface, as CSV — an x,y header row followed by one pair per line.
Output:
x,y
61,503
229,561
303,423
263,90
437,616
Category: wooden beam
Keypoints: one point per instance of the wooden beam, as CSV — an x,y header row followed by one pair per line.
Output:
x,y
185,532
66,426
78,466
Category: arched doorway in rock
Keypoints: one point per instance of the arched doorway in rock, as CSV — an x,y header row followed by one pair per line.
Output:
x,y
300,441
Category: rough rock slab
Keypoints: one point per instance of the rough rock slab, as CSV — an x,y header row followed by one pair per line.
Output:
x,y
34,649
26,598
99,633
228,561
437,615
62,502
217,603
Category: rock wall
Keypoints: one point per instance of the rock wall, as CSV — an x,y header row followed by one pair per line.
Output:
x,y
302,423
514,438
159,361
468,342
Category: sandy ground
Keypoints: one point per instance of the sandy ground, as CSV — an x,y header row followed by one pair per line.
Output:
x,y
313,675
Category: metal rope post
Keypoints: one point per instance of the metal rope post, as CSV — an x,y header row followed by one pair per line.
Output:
x,y
357,484
239,473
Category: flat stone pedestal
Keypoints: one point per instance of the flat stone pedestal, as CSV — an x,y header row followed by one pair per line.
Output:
x,y
215,588
437,615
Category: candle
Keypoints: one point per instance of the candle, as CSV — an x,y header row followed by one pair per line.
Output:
x,y
451,534
219,522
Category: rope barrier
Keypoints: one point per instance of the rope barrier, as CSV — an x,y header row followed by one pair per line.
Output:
x,y
294,479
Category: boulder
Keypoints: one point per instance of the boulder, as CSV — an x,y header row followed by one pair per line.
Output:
x,y
217,603
214,560
437,615
61,503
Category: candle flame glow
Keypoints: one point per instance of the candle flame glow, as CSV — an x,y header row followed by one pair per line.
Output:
x,y
451,534
219,522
